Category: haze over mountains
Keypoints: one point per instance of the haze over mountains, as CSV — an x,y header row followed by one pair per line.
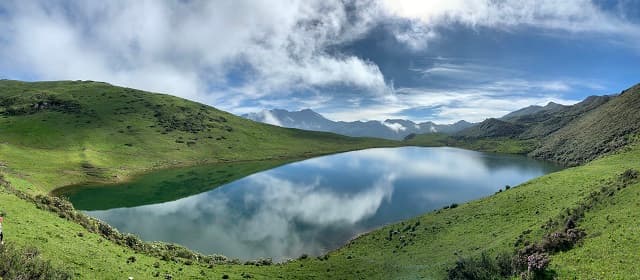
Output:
x,y
569,134
396,129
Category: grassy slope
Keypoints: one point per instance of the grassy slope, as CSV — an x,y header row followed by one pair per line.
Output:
x,y
160,185
611,250
570,135
91,131
435,243
494,145
492,223
426,250
601,130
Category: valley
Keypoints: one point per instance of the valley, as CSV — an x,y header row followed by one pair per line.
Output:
x,y
42,150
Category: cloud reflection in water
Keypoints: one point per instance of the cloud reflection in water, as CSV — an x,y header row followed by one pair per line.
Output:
x,y
318,204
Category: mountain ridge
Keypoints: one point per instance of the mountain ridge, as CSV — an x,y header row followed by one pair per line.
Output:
x,y
393,129
570,135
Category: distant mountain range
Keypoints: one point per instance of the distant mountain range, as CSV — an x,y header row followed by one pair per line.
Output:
x,y
569,134
572,134
396,129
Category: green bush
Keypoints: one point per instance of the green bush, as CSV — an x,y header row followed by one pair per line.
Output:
x,y
481,268
26,263
629,175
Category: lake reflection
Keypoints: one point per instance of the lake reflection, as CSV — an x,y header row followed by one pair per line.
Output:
x,y
319,204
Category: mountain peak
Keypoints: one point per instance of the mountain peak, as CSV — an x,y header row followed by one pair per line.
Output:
x,y
308,119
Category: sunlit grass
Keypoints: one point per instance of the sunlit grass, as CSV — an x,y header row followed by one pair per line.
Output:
x,y
46,150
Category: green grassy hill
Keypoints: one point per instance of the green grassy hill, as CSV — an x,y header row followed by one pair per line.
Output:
x,y
601,195
528,123
62,133
492,128
542,123
422,247
606,128
570,135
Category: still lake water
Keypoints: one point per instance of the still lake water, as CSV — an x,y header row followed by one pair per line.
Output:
x,y
318,204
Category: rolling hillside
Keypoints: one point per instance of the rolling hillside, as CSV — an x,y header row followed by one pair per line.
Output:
x,y
61,133
39,150
602,130
422,247
570,135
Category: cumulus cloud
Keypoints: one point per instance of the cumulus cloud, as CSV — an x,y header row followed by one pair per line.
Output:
x,y
241,55
250,48
571,15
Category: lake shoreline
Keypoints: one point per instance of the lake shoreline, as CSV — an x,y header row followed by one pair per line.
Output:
x,y
186,164
321,202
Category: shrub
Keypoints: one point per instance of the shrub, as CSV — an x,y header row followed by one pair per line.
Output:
x,y
133,242
165,251
562,240
537,262
105,229
26,264
504,263
629,174
481,268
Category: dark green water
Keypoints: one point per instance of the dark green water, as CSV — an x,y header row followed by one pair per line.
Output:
x,y
309,206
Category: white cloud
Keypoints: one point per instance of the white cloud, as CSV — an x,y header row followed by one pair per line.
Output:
x,y
573,16
570,15
474,103
226,53
450,68
186,47
269,118
477,104
270,229
312,205
365,113
396,127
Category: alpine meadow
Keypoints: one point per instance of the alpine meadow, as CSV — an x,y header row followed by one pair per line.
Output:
x,y
346,139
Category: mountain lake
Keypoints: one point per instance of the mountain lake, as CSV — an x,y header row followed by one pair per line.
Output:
x,y
305,207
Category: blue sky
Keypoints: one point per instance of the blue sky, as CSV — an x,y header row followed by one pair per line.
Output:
x,y
349,60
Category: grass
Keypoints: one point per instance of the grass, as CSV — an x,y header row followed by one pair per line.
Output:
x,y
425,246
41,151
611,249
160,186
64,133
27,264
493,145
